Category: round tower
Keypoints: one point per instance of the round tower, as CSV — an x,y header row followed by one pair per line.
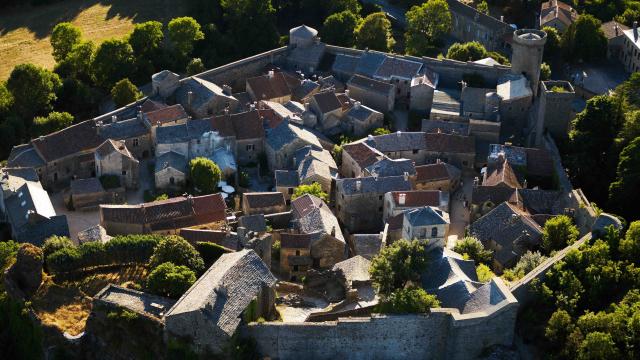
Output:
x,y
528,48
302,36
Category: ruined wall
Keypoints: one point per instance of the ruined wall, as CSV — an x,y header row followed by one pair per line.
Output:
x,y
442,334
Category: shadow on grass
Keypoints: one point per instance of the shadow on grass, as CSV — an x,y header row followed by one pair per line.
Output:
x,y
40,20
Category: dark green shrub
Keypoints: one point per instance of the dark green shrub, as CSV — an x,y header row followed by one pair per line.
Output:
x,y
178,251
210,252
170,280
110,181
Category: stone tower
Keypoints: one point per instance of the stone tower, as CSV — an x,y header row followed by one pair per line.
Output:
x,y
528,47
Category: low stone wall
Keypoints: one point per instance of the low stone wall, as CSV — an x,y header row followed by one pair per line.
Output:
x,y
442,334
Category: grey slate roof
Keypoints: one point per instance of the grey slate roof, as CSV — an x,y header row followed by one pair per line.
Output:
x,y
286,178
311,152
427,215
86,186
354,269
369,63
190,130
124,129
171,159
398,141
253,222
209,312
397,67
369,84
512,229
448,127
367,245
310,167
13,178
361,113
203,92
345,63
24,156
285,133
36,233
313,215
392,167
380,185
29,198
137,301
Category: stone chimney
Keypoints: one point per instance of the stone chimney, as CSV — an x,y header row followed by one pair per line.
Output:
x,y
635,30
226,89
356,105
189,98
402,199
270,74
114,118
358,185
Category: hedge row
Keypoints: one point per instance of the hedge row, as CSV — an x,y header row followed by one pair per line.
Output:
x,y
119,250
211,252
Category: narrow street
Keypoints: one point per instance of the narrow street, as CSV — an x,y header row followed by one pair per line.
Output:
x,y
459,215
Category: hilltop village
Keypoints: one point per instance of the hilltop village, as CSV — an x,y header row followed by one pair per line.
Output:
x,y
328,157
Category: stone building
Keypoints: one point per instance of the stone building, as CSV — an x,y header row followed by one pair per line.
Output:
x,y
307,50
236,289
359,201
274,86
558,15
375,94
202,98
244,132
470,24
113,158
88,194
263,203
170,171
439,176
555,110
631,57
397,202
133,132
165,216
528,48
295,255
283,141
165,83
356,157
614,32
426,223
422,88
311,215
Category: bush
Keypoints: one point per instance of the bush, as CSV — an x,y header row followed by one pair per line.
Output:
x,y
408,301
21,337
110,181
473,248
54,244
205,175
275,250
484,273
528,261
195,66
558,233
210,252
119,250
398,264
313,189
178,251
8,250
170,280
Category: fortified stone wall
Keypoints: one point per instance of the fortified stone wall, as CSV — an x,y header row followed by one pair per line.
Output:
x,y
442,334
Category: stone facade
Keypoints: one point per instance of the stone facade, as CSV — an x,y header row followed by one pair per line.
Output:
x,y
554,110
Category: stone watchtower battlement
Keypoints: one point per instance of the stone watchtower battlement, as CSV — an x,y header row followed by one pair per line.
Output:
x,y
528,48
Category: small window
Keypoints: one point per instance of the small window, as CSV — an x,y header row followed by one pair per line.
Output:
x,y
172,181
135,142
124,172
198,141
380,197
251,147
434,232
380,209
295,267
415,151
290,191
297,252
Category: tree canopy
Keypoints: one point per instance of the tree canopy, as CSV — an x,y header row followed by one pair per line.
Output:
x,y
426,25
64,37
311,189
183,33
584,39
53,122
397,265
124,92
205,175
170,280
33,89
178,251
113,60
558,232
473,248
252,25
623,192
146,40
374,33
338,29
408,301
470,51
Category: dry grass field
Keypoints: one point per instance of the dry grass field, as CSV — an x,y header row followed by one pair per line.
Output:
x,y
25,31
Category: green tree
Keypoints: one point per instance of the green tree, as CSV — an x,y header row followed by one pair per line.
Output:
x,y
33,89
559,326
470,51
53,122
630,245
552,46
176,250
339,29
374,32
584,39
312,189
321,9
624,190
124,92
407,301
146,40
484,273
426,25
598,345
63,38
397,265
473,248
112,61
483,7
628,16
205,175
195,66
78,62
528,261
558,232
6,100
170,280
252,23
381,131
183,33
8,250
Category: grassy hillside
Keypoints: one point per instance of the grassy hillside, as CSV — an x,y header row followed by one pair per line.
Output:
x,y
25,31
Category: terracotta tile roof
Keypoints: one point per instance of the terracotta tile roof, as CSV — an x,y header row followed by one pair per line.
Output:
x,y
362,154
436,172
613,29
557,9
69,141
166,115
327,101
447,143
296,241
246,125
265,87
259,200
417,198
151,105
270,117
502,175
303,205
110,146
494,194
